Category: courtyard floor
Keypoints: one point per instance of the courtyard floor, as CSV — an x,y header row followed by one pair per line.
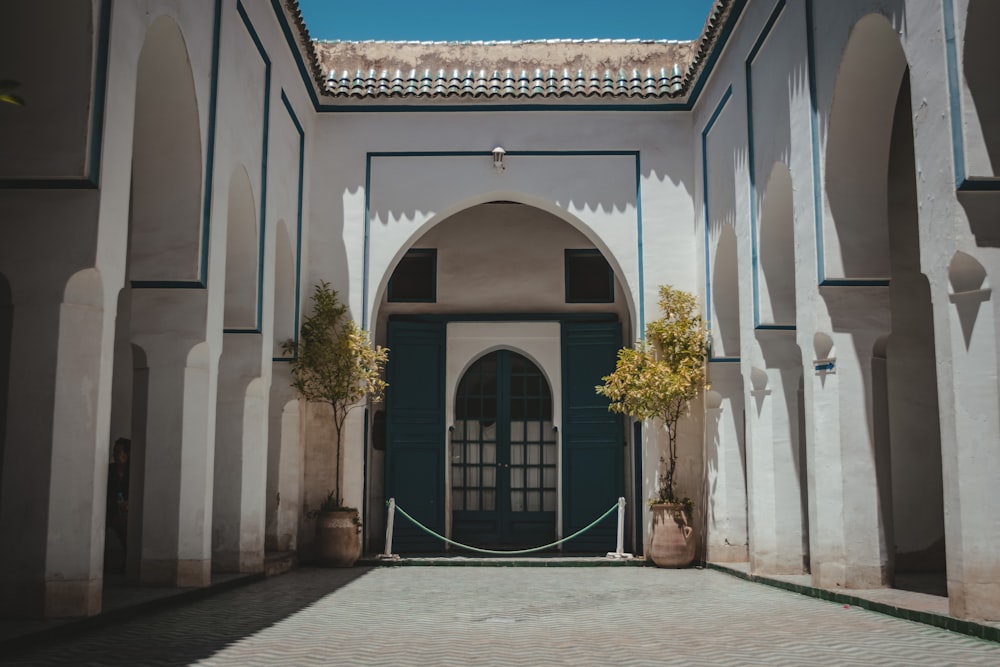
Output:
x,y
507,616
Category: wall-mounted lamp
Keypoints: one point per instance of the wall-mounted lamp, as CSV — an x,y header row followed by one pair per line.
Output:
x,y
498,163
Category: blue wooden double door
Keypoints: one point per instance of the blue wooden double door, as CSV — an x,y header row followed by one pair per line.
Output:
x,y
502,464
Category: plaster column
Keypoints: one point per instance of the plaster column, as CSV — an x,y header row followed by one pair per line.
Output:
x,y
846,527
240,458
177,480
971,457
74,553
775,458
726,491
284,472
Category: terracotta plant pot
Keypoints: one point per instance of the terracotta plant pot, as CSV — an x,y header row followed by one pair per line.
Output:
x,y
673,541
338,538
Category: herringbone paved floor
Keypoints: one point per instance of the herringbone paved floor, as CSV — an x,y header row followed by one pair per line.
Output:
x,y
511,616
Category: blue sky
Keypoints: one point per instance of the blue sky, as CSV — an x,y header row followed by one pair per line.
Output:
x,y
458,20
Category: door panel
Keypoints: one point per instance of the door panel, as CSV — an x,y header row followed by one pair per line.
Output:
x,y
593,439
415,431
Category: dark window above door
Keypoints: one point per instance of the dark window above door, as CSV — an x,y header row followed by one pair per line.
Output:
x,y
415,277
588,277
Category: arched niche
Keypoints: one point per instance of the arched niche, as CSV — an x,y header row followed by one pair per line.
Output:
x,y
284,289
776,249
166,162
856,245
725,296
242,254
980,54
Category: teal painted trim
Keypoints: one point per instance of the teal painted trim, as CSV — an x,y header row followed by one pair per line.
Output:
x,y
167,284
775,327
851,282
213,108
298,211
364,484
639,250
292,43
814,131
366,260
637,496
723,360
704,203
954,93
586,252
366,243
47,184
237,330
92,175
505,317
751,157
100,93
278,360
262,230
979,185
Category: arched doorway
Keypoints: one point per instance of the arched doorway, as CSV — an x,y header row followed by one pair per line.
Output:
x,y
504,454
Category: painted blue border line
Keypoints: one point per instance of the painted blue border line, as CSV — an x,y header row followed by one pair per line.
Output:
x,y
298,224
293,45
100,94
642,263
92,173
814,130
213,108
751,157
367,219
704,206
262,230
262,226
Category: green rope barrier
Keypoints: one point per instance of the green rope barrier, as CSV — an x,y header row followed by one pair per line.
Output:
x,y
513,552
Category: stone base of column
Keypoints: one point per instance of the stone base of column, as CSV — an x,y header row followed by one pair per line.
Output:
x,y
839,575
73,598
978,602
772,565
238,561
177,573
727,553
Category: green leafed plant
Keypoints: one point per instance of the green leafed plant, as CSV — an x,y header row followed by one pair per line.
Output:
x,y
659,377
334,362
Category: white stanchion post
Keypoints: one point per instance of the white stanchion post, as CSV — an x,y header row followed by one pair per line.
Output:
x,y
620,549
391,516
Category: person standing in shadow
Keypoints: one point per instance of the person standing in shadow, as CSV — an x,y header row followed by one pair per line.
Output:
x,y
117,499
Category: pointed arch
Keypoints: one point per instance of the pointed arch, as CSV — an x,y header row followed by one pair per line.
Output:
x,y
856,245
242,254
166,236
776,289
284,288
725,296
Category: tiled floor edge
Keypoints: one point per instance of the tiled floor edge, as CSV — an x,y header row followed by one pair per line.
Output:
x,y
961,626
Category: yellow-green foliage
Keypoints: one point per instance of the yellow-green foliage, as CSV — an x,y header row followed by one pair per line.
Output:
x,y
334,362
661,375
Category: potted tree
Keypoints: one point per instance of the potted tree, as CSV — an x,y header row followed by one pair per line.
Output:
x,y
335,363
657,379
